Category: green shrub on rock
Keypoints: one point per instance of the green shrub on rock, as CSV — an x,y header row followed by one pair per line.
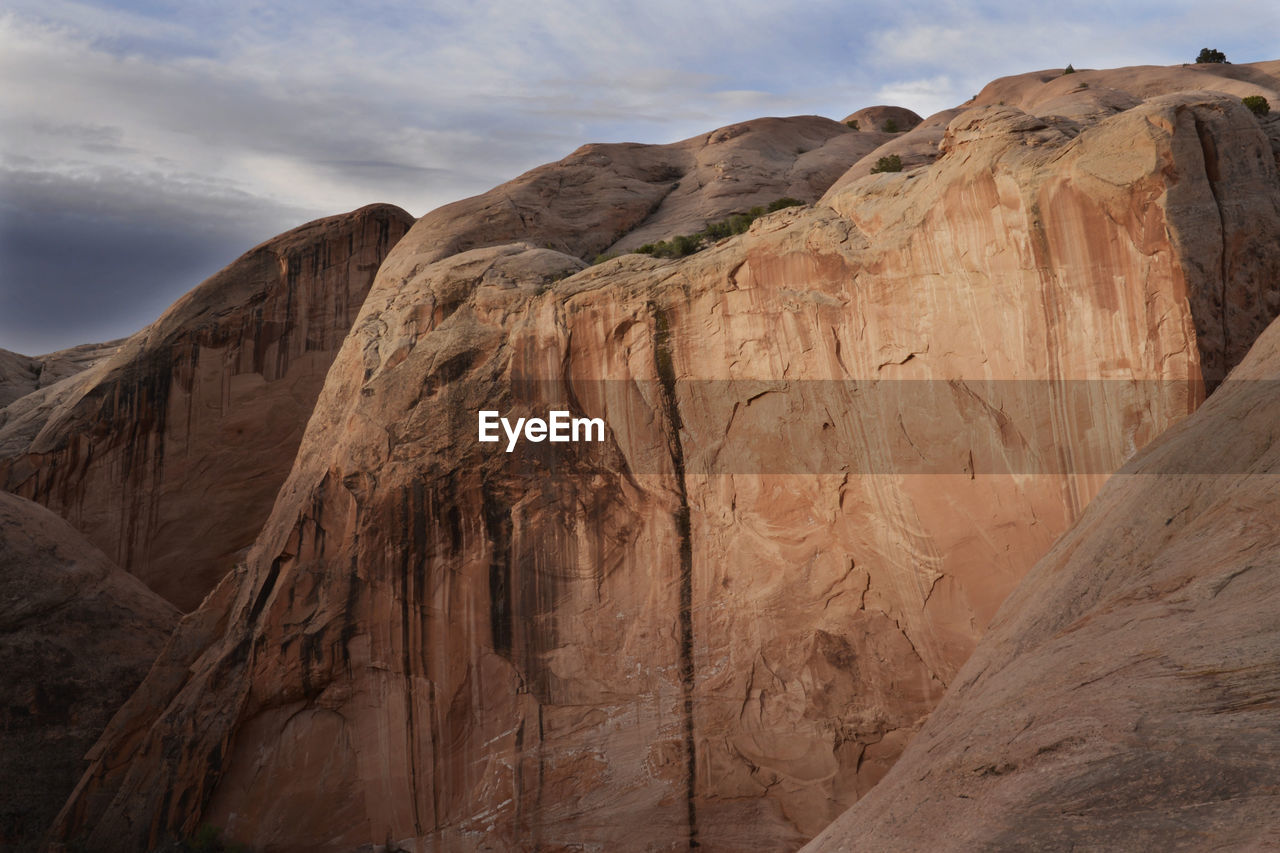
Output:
x,y
888,163
785,201
1257,104
738,223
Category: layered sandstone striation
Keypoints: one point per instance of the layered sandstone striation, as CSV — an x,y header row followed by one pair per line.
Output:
x,y
834,444
77,635
168,454
1126,695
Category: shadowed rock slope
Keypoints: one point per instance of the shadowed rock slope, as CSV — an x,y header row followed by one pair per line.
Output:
x,y
77,635
1127,697
168,454
832,446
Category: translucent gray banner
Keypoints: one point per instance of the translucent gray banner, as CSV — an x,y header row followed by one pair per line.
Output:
x,y
940,427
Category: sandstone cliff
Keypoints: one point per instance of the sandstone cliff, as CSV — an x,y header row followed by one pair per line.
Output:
x,y
834,444
1126,696
168,454
77,635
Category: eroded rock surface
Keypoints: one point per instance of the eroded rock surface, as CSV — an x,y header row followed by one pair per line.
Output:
x,y
168,454
833,445
1126,697
77,635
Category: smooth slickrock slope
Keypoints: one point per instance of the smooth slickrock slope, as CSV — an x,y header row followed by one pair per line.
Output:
x,y
77,635
1127,697
168,454
834,444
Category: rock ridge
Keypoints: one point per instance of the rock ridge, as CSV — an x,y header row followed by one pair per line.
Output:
x,y
169,452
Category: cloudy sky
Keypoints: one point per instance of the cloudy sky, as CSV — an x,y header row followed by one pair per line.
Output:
x,y
145,145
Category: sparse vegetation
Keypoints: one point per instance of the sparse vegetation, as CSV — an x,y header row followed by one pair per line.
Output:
x,y
852,124
786,201
890,126
677,247
1209,55
1068,70
1257,104
686,244
888,163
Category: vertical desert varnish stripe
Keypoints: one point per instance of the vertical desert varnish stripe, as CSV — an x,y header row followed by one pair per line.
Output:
x,y
667,377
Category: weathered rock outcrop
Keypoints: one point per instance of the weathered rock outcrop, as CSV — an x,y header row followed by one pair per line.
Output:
x,y
605,199
1116,89
1127,697
21,374
77,635
832,447
168,454
886,119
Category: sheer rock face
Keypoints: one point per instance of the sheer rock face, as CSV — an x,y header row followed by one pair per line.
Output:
x,y
1126,695
168,454
722,623
77,635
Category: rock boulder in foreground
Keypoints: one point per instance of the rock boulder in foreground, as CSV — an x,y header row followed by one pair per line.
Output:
x,y
77,635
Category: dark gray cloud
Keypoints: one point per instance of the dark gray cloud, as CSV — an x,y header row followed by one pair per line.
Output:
x,y
94,257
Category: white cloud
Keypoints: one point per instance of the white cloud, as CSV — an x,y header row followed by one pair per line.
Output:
x,y
926,96
320,106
